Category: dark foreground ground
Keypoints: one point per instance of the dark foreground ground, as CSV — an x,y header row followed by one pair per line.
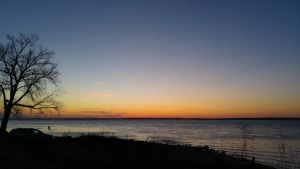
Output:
x,y
91,152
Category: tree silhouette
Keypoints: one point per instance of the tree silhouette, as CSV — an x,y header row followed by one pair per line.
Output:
x,y
27,75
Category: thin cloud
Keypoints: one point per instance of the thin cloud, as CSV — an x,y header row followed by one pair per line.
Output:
x,y
70,92
97,114
103,83
76,114
89,94
100,94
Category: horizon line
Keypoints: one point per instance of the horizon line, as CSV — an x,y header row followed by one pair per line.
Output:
x,y
153,118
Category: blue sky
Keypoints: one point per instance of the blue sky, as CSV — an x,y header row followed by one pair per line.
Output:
x,y
146,52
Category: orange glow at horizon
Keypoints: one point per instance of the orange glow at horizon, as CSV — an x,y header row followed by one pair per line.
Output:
x,y
181,100
220,103
172,108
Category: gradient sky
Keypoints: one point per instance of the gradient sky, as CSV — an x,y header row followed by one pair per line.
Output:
x,y
168,58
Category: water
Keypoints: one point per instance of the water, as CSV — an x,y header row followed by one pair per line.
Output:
x,y
225,135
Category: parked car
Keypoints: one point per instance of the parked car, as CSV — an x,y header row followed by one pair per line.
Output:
x,y
29,133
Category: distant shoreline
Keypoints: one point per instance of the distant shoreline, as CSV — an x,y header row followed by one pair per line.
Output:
x,y
63,118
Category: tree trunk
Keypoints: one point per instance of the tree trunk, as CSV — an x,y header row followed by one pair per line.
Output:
x,y
4,121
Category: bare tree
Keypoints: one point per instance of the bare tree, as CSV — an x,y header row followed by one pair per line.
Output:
x,y
28,77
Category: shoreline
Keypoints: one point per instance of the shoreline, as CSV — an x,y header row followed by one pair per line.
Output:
x,y
258,118
92,151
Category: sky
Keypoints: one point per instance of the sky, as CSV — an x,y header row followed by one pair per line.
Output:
x,y
168,58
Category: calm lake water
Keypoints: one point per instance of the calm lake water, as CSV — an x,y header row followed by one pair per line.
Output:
x,y
266,135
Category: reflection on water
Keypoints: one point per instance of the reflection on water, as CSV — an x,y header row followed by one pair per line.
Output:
x,y
219,134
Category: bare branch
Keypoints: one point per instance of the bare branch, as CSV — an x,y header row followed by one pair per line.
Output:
x,y
26,73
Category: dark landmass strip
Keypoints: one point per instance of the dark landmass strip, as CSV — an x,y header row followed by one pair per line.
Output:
x,y
91,152
259,118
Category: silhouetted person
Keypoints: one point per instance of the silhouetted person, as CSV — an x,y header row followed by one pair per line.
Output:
x,y
49,128
253,160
